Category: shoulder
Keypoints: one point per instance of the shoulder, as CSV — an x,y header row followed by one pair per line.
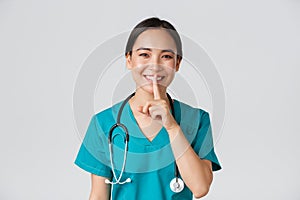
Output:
x,y
186,109
190,118
108,116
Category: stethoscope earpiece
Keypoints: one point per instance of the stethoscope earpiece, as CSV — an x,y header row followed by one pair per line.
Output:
x,y
128,180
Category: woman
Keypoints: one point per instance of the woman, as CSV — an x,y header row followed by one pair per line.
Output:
x,y
166,132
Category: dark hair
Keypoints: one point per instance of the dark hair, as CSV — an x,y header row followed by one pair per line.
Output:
x,y
153,22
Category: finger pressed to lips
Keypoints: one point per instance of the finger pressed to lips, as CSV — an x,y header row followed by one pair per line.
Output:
x,y
156,93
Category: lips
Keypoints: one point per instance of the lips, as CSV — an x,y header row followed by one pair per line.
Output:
x,y
152,77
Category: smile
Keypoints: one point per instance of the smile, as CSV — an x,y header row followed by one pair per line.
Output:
x,y
151,77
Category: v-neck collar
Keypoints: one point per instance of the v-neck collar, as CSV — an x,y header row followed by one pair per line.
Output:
x,y
136,134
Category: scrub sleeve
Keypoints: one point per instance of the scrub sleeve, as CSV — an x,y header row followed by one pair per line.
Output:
x,y
92,155
203,143
196,126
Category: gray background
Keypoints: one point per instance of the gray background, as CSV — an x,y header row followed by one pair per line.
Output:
x,y
254,44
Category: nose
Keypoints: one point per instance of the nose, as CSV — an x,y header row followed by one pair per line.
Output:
x,y
155,63
155,67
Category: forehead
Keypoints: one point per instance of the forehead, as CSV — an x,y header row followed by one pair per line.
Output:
x,y
156,39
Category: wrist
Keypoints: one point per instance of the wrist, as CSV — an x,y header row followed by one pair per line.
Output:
x,y
173,128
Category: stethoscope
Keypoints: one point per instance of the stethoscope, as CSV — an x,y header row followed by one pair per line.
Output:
x,y
176,184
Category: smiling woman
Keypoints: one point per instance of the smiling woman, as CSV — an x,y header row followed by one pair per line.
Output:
x,y
153,127
153,53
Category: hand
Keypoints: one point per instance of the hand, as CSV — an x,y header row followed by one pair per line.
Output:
x,y
158,109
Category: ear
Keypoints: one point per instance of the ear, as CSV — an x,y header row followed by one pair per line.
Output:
x,y
128,61
178,61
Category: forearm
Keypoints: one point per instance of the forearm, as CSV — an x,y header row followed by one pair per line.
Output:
x,y
97,197
99,190
196,173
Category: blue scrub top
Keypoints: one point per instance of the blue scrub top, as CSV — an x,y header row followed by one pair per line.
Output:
x,y
149,164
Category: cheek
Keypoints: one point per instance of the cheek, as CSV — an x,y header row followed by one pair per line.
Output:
x,y
138,70
170,79
171,64
171,71
171,75
138,61
137,75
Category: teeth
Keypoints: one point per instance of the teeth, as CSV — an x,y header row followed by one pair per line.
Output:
x,y
152,77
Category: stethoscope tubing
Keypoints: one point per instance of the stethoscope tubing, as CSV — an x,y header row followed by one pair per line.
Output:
x,y
176,184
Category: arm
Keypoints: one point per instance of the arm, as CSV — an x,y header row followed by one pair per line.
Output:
x,y
100,190
196,173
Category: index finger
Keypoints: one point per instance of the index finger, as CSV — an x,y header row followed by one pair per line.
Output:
x,y
155,88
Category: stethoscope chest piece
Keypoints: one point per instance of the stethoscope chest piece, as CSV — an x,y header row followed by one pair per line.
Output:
x,y
176,185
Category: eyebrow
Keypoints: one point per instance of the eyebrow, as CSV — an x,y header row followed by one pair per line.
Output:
x,y
149,49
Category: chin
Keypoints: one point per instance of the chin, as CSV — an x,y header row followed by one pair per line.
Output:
x,y
146,88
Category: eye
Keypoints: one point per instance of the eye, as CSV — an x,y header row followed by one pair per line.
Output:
x,y
144,55
167,56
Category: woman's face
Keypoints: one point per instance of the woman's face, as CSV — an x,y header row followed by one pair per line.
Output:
x,y
153,55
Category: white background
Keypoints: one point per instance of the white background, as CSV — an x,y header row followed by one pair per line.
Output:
x,y
254,44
